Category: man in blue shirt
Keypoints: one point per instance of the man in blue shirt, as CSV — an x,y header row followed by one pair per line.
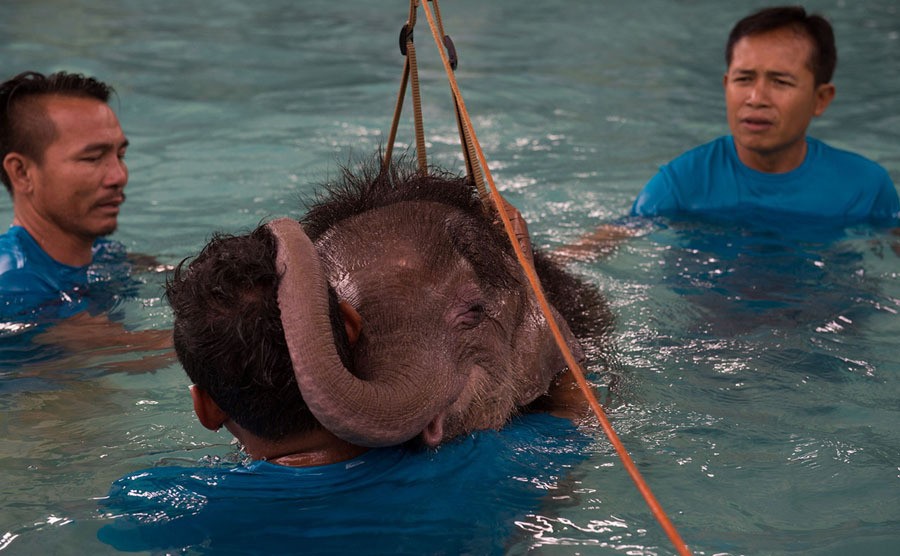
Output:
x,y
62,156
780,63
62,151
307,488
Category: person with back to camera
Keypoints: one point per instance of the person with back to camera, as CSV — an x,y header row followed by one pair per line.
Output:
x,y
335,462
780,63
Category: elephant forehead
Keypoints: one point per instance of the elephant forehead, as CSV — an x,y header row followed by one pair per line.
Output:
x,y
402,236
407,275
416,248
392,255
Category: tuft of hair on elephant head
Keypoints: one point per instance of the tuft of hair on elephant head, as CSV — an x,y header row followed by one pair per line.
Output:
x,y
452,338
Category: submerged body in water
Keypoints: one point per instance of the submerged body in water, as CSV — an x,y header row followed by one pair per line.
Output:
x,y
746,272
463,498
35,287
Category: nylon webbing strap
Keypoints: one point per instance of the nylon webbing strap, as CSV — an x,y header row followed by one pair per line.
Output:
x,y
417,104
398,109
410,79
473,168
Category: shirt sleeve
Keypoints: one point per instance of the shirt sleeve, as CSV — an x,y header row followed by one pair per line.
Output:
x,y
892,201
656,197
885,203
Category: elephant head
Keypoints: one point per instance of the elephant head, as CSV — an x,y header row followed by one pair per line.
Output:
x,y
452,337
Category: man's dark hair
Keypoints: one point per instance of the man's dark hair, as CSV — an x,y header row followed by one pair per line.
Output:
x,y
24,127
229,337
823,58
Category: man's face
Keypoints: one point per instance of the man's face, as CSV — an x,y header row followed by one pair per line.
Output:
x,y
78,186
771,97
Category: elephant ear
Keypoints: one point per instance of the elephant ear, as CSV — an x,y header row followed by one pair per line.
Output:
x,y
384,411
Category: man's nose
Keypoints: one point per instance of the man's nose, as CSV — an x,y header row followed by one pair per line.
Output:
x,y
117,173
758,94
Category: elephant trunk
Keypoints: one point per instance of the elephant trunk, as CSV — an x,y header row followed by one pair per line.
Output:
x,y
383,411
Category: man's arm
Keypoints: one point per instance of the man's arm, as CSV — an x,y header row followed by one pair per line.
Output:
x,y
141,262
656,197
563,399
96,340
597,244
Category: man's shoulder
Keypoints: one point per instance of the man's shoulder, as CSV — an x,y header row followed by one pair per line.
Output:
x,y
108,250
31,280
695,171
11,238
685,182
16,250
872,194
845,160
702,164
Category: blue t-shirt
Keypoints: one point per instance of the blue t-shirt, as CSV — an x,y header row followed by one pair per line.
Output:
x,y
32,283
463,498
831,183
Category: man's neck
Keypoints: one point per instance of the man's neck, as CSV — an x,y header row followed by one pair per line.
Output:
x,y
61,247
318,447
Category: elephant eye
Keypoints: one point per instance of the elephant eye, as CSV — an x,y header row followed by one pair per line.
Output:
x,y
472,316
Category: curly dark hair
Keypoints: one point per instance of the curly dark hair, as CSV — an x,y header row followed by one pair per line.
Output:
x,y
24,128
824,53
229,337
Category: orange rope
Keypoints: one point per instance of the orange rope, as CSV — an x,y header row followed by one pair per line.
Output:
x,y
574,367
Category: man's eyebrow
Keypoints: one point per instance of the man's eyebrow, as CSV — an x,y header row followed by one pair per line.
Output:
x,y
769,74
781,74
104,146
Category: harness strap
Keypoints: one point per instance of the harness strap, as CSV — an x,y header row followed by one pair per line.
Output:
x,y
411,75
392,136
417,105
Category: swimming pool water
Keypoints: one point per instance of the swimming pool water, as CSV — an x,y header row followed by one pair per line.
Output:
x,y
756,368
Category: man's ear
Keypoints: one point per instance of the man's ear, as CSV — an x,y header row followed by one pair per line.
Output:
x,y
16,167
824,95
352,321
207,410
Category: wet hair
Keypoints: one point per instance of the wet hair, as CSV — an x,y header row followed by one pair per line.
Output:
x,y
823,58
24,126
229,337
369,185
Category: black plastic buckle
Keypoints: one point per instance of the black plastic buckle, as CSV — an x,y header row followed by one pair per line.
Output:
x,y
451,52
406,34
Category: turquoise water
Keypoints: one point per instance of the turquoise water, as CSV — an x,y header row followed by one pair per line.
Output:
x,y
757,371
